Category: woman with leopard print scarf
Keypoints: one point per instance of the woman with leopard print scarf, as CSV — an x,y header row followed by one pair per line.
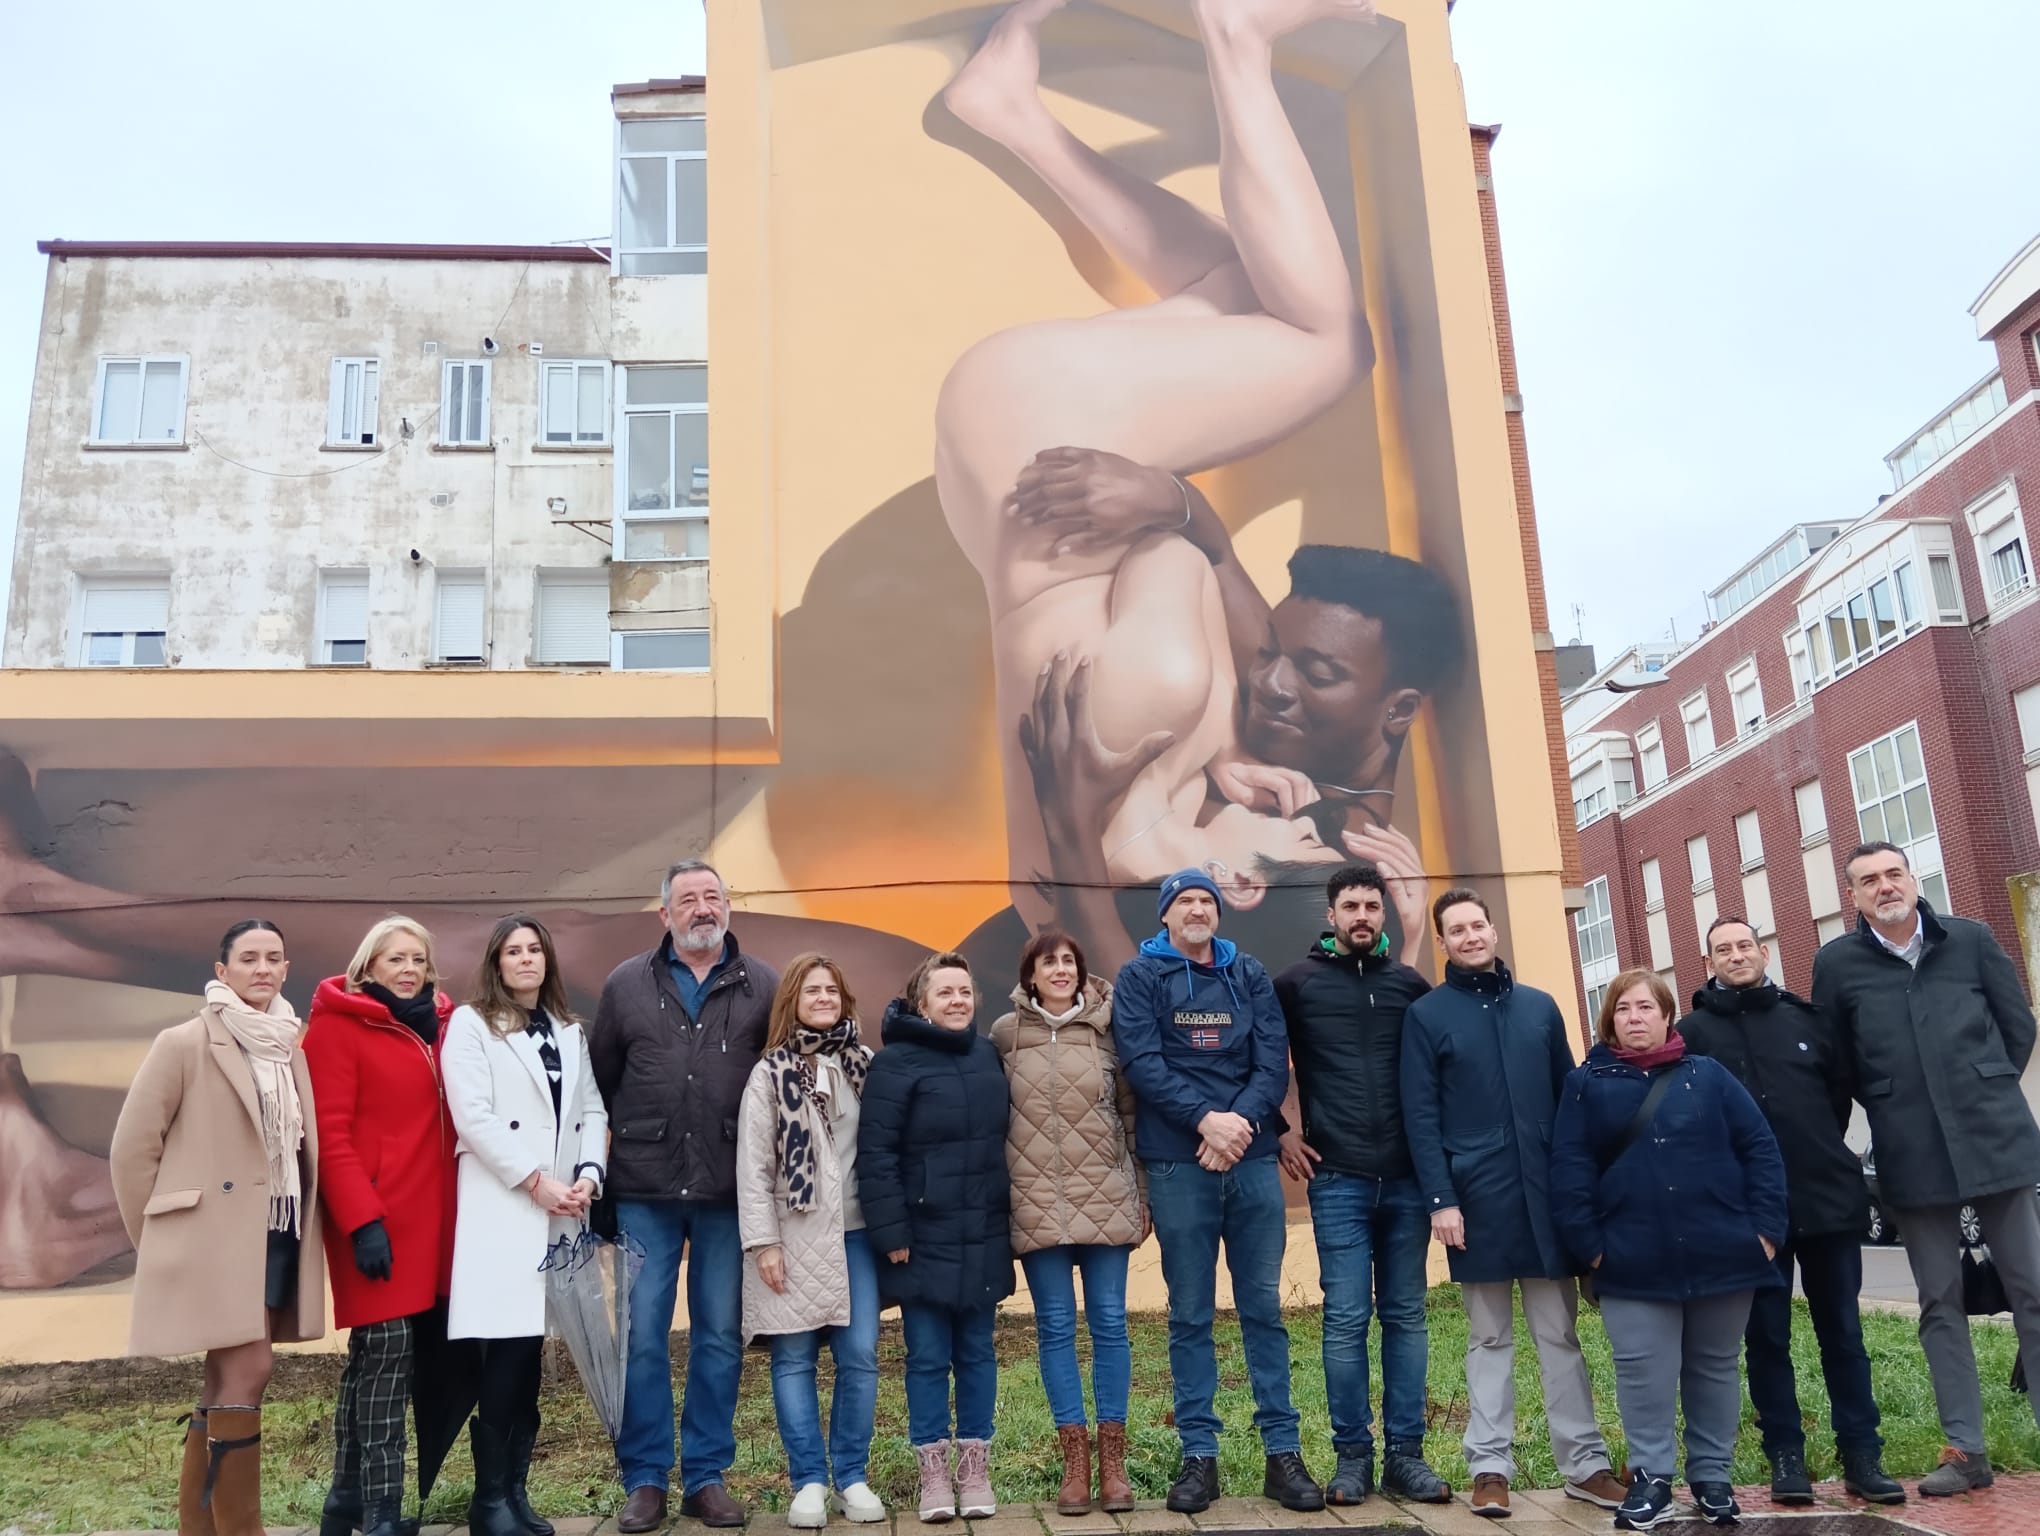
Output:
x,y
809,1275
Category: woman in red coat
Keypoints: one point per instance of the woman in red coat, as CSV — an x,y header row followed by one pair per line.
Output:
x,y
386,1181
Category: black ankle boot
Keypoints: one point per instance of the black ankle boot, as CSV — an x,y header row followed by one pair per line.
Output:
x,y
342,1515
522,1438
489,1512
1863,1475
384,1517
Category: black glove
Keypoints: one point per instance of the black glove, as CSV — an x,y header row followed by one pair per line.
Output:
x,y
372,1250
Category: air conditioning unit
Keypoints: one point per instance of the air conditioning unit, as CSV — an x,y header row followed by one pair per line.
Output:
x,y
430,349
443,499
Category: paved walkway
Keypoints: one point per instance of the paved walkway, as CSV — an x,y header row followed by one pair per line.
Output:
x,y
2012,1508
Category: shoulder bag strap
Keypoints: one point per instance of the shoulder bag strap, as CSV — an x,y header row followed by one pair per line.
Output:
x,y
1660,1085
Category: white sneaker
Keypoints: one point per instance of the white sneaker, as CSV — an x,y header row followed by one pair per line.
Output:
x,y
809,1510
859,1504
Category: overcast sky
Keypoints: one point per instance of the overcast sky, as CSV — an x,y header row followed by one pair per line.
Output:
x,y
1741,240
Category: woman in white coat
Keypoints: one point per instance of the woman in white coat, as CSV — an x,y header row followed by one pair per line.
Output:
x,y
533,1135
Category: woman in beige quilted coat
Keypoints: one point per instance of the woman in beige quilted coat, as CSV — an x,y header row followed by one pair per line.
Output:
x,y
1079,1200
809,1275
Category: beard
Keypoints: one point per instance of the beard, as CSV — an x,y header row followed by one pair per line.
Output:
x,y
699,939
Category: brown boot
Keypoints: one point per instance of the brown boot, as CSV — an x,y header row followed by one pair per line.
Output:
x,y
1074,1498
192,1518
1115,1493
233,1478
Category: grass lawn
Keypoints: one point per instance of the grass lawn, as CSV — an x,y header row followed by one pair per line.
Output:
x,y
85,1448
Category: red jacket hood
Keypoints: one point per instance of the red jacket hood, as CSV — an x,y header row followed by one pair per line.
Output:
x,y
332,996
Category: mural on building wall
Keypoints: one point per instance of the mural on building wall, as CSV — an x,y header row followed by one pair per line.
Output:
x,y
1151,292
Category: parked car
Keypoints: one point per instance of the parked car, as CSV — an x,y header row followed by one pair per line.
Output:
x,y
1883,1227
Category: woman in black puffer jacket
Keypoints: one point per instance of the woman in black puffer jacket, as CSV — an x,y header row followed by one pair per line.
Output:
x,y
931,1172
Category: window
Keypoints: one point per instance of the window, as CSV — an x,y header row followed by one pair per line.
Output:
x,y
1650,751
1589,804
1889,777
1812,812
2000,535
1594,924
460,617
1760,577
662,196
464,403
1699,726
140,400
663,479
123,621
1749,840
1952,427
2027,704
661,650
1697,861
1830,928
572,620
343,618
351,401
573,402
1798,654
1653,884
1595,997
1746,698
1870,621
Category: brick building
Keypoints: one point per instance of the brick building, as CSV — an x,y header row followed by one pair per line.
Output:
x,y
1875,679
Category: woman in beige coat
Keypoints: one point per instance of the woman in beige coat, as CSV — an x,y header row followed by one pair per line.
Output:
x,y
214,1165
810,1274
1079,1200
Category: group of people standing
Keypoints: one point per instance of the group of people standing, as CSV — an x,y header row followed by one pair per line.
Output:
x,y
739,1124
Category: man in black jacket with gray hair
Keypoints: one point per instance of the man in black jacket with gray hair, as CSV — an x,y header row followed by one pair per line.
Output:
x,y
1343,1005
1785,1053
1936,1031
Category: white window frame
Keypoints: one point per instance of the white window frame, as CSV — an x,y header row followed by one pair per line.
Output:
x,y
620,258
1923,853
1701,868
577,577
1698,717
452,434
617,638
624,512
1812,812
1827,929
575,367
445,581
1743,679
1749,841
363,392
1997,525
1798,656
1652,873
143,362
1650,753
87,585
1595,925
350,576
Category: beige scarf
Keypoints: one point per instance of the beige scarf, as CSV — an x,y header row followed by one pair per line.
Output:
x,y
267,1041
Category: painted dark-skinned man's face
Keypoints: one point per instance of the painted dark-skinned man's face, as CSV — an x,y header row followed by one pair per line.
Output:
x,y
1318,697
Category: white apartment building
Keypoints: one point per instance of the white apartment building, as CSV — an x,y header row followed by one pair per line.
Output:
x,y
268,456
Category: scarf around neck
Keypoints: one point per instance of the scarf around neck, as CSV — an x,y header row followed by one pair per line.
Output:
x,y
419,1012
267,1041
1657,1056
800,1106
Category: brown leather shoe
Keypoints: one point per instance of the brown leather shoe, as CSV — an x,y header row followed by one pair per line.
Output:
x,y
1603,1488
1491,1495
711,1504
193,1519
1074,1497
1115,1492
644,1510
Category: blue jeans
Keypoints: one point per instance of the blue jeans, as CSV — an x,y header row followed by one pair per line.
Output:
x,y
942,1341
1051,1283
1373,1237
1194,1210
707,1236
855,1402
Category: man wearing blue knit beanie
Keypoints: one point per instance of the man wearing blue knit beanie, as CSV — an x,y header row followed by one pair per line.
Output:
x,y
1201,1040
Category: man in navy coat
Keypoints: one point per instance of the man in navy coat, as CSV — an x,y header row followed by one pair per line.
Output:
x,y
1483,1063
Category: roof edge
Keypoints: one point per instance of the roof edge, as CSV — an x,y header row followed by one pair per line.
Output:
x,y
679,83
367,251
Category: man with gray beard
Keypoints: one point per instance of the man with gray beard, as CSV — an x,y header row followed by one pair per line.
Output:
x,y
673,1043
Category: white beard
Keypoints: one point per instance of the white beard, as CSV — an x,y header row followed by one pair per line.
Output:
x,y
696,941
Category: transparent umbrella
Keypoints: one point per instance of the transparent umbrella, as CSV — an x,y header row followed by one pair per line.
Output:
x,y
587,1302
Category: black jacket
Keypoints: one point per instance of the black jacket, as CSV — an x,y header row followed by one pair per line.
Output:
x,y
1785,1053
672,1087
1345,1018
1935,1055
931,1164
1483,1064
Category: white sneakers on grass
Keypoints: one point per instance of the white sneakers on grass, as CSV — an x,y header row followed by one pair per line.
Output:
x,y
809,1510
860,1505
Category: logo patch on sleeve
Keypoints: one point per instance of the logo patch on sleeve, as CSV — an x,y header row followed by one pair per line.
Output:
x,y
1206,1030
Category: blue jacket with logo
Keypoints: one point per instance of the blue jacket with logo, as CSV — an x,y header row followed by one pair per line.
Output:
x,y
1196,1038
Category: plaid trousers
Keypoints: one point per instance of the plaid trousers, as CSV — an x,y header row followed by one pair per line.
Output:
x,y
368,1419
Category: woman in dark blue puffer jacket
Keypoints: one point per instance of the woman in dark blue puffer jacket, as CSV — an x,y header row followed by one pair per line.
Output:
x,y
1677,1219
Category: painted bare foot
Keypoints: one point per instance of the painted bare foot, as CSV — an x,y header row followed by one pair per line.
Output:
x,y
57,1215
1266,20
996,92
